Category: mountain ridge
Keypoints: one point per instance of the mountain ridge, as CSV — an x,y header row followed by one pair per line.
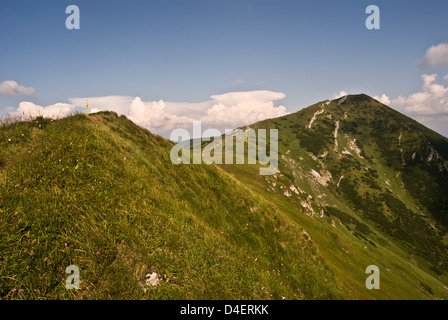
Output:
x,y
326,159
100,192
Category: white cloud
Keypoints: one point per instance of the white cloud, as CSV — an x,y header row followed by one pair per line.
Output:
x,y
154,116
436,56
159,117
119,104
340,94
428,106
225,111
95,110
383,99
192,109
28,109
445,77
12,88
431,100
237,82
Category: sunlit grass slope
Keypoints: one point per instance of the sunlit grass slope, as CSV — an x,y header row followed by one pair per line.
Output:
x,y
101,193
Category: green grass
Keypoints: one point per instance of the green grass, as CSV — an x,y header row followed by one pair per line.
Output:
x,y
366,220
101,193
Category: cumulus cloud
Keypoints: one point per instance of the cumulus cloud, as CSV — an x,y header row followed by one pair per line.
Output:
x,y
428,106
431,99
340,94
225,111
235,109
383,99
12,88
157,116
28,109
154,116
436,56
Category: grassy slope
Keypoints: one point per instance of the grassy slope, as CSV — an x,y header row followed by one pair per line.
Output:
x,y
374,222
99,192
202,227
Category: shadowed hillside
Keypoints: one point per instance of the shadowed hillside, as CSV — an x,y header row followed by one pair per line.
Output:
x,y
369,184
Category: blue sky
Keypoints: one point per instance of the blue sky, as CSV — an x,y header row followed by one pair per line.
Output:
x,y
187,51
